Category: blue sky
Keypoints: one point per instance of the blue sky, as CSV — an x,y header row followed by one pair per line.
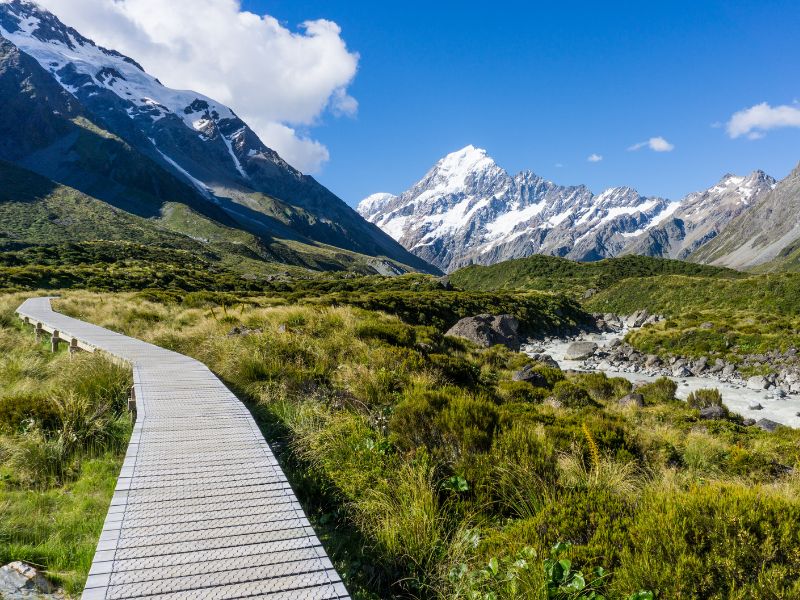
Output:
x,y
546,84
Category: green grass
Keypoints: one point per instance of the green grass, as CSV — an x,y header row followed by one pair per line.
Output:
x,y
63,433
57,528
429,473
550,273
43,217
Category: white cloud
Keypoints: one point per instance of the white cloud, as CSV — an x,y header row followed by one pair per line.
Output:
x,y
656,144
594,158
276,79
559,165
755,121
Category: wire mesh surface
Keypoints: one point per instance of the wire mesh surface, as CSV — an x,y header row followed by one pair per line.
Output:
x,y
201,508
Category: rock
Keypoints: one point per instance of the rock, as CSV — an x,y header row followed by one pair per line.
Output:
x,y
546,360
714,412
632,399
637,319
706,325
748,422
700,365
488,330
729,369
580,350
756,383
237,331
652,361
20,581
754,406
681,371
717,367
445,282
767,425
528,375
589,293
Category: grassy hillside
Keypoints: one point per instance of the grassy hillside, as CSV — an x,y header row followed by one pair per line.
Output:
x,y
37,212
429,473
713,312
550,273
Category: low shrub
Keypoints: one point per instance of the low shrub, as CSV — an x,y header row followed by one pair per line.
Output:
x,y
704,398
661,391
569,395
521,391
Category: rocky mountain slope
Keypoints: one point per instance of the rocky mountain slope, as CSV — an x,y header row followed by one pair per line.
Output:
x,y
93,119
468,210
767,236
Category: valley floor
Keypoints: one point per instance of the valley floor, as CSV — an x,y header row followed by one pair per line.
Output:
x,y
736,396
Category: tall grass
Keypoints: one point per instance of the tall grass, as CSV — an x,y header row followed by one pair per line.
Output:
x,y
419,458
63,430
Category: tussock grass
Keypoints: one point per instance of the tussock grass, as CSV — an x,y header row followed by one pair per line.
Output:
x,y
63,430
419,459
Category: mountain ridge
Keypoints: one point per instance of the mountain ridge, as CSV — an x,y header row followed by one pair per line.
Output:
x,y
468,210
218,164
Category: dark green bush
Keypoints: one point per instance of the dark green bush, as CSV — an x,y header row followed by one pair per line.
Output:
x,y
521,391
704,398
570,395
680,543
457,370
447,421
20,411
660,391
601,387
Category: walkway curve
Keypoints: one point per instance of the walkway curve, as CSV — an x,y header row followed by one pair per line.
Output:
x,y
201,508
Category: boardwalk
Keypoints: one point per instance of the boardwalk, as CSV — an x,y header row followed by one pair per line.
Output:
x,y
201,508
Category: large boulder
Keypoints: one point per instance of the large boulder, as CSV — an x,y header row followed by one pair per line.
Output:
x,y
488,330
756,383
546,360
528,375
580,350
713,412
767,425
19,581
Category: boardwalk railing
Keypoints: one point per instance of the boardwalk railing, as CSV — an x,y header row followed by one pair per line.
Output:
x,y
201,508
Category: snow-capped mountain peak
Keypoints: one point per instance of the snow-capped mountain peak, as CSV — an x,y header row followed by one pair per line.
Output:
x,y
467,209
108,81
66,101
375,202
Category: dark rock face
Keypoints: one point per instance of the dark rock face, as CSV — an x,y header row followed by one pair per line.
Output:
x,y
714,412
767,425
488,330
546,360
528,375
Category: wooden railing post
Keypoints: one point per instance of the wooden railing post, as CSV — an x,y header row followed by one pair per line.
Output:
x,y
54,339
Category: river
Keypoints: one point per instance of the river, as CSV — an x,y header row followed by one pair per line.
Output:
x,y
736,397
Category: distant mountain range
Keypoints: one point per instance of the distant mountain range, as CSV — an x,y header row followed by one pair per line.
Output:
x,y
92,120
468,210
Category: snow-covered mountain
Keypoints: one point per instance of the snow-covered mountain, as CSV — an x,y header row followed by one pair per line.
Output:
x,y
467,210
701,216
197,140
